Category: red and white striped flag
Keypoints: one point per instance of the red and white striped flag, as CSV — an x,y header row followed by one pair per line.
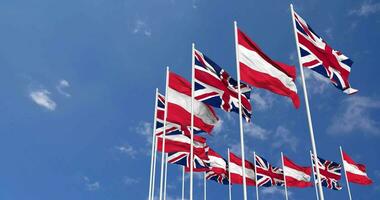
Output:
x,y
179,106
295,175
356,173
259,70
236,170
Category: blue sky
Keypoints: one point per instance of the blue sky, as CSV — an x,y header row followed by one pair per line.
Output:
x,y
78,80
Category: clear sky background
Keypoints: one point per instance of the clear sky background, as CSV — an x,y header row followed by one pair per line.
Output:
x,y
77,88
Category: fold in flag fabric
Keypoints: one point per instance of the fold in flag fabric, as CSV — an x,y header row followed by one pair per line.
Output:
x,y
179,106
295,175
267,175
330,173
356,173
171,128
218,168
236,170
317,55
215,87
259,70
179,142
201,160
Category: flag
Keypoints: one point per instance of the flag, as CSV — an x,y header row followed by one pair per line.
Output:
x,y
267,175
171,128
218,168
356,173
201,161
179,142
317,55
215,87
295,175
179,106
236,171
257,69
330,173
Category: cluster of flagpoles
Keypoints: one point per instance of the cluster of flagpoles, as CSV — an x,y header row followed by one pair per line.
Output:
x,y
164,163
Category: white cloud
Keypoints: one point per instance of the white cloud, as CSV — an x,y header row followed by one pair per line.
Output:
x,y
218,127
328,33
61,86
255,131
367,8
315,82
262,100
127,149
355,114
274,191
141,27
130,180
145,129
41,98
283,137
91,186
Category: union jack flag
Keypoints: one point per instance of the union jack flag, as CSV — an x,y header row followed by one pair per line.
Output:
x,y
221,178
317,55
267,175
215,87
171,128
330,173
201,161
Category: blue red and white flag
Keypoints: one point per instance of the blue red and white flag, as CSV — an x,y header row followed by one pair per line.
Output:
x,y
201,160
218,168
330,173
317,55
215,87
267,175
179,106
259,70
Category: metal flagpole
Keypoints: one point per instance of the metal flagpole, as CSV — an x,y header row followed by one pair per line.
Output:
x,y
183,183
153,155
192,121
345,173
257,186
314,148
240,112
229,176
166,175
164,133
154,165
286,190
315,183
204,187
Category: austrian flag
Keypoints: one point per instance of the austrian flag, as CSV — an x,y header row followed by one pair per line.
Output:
x,y
356,173
295,175
236,171
259,70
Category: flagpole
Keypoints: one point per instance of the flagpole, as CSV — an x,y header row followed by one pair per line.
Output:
x,y
155,163
314,148
257,186
315,183
192,121
240,112
345,173
286,190
229,176
166,174
204,186
153,155
164,133
183,182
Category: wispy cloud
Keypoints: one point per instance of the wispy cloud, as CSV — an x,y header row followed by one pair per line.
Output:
x,y
316,82
141,27
366,8
283,137
41,97
262,100
130,181
355,114
91,186
255,131
63,84
145,129
274,191
127,149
